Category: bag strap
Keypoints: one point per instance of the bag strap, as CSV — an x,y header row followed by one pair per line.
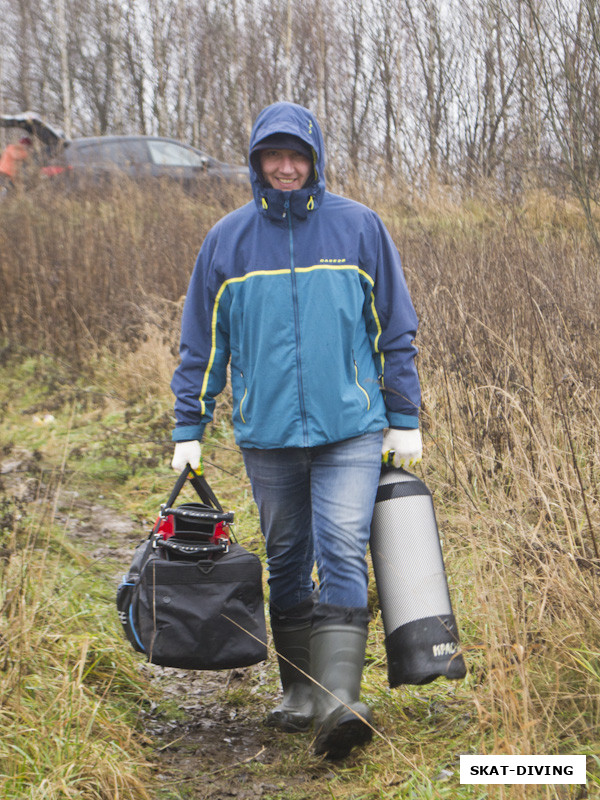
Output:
x,y
203,490
200,484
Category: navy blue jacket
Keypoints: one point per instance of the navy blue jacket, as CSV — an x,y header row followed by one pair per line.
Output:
x,y
303,292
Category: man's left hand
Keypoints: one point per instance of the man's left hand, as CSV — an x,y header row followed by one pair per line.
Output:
x,y
402,448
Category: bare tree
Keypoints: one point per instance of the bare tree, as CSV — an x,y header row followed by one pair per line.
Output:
x,y
386,44
484,90
187,121
529,120
64,65
134,61
161,17
435,58
359,80
563,52
25,78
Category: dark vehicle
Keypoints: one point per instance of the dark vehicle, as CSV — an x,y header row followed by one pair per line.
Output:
x,y
141,157
100,158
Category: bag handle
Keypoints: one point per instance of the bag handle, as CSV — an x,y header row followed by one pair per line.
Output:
x,y
192,549
200,484
203,490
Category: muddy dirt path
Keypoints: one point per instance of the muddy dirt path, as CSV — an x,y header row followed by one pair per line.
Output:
x,y
211,743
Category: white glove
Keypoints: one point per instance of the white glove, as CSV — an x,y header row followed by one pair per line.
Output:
x,y
405,446
186,453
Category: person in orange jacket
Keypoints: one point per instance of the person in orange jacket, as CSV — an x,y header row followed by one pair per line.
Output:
x,y
12,159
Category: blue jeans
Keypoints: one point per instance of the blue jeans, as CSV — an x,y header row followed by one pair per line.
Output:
x,y
316,503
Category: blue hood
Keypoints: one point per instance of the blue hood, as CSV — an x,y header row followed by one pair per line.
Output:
x,y
299,121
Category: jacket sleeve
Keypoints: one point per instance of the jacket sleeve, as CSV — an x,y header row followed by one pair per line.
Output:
x,y
204,348
392,325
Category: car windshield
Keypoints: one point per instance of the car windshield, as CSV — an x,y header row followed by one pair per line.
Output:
x,y
169,154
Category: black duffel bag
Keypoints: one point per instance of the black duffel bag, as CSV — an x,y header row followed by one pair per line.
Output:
x,y
193,598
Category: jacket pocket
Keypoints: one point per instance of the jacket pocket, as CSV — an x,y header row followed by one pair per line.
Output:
x,y
358,383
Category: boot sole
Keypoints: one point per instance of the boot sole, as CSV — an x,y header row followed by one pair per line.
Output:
x,y
348,732
288,724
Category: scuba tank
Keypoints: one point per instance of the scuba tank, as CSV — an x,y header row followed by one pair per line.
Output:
x,y
421,635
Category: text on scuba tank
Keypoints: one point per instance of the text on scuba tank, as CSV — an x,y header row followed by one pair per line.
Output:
x,y
444,649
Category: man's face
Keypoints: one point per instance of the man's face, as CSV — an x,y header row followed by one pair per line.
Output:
x,y
285,169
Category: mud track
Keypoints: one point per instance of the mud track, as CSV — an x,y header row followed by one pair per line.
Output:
x,y
210,739
211,742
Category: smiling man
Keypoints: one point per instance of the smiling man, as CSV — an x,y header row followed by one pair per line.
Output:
x,y
302,292
284,162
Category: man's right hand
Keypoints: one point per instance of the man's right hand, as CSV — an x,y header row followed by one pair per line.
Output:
x,y
186,453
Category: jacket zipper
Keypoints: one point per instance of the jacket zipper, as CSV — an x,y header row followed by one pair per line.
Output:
x,y
297,326
243,399
362,388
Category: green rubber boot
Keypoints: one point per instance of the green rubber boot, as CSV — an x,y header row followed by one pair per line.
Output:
x,y
291,636
295,712
337,660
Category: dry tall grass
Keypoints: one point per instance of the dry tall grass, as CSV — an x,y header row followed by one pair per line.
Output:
x,y
508,299
69,699
510,364
80,271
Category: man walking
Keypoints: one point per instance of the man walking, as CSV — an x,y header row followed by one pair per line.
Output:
x,y
302,292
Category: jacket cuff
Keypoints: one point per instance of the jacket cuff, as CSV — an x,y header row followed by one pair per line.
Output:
x,y
402,420
188,433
